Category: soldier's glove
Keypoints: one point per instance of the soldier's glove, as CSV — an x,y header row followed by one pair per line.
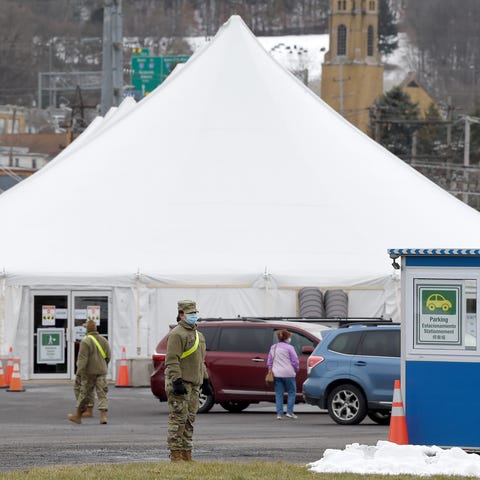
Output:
x,y
179,387
206,387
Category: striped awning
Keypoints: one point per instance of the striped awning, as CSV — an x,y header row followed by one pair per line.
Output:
x,y
434,251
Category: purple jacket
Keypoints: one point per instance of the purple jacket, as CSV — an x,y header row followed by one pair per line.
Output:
x,y
283,360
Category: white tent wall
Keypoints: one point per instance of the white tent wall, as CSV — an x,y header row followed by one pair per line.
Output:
x,y
141,314
375,298
13,306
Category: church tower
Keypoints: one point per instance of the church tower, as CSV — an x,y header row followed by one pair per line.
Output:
x,y
352,72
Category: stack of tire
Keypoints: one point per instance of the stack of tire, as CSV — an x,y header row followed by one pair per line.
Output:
x,y
310,303
336,304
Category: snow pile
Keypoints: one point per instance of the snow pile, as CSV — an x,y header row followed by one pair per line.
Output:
x,y
390,458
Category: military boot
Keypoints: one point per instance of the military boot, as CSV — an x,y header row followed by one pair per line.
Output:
x,y
187,455
176,456
103,417
76,417
88,412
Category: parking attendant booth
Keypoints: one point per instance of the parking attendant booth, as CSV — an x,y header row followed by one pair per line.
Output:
x,y
440,345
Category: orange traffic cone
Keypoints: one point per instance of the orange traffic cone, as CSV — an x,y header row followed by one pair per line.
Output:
x,y
123,379
3,383
9,370
398,423
16,381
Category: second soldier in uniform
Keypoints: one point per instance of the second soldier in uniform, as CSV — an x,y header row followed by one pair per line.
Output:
x,y
185,376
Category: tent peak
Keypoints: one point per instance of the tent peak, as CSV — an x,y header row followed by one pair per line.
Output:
x,y
235,21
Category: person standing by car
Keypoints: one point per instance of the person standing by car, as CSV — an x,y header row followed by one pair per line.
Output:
x,y
92,368
185,376
283,361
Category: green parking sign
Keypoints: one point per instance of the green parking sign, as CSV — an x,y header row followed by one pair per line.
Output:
x,y
439,301
438,318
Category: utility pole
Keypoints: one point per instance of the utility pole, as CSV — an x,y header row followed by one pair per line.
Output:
x,y
466,151
112,62
449,124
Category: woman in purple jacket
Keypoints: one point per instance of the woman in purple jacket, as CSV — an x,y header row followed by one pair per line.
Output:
x,y
283,361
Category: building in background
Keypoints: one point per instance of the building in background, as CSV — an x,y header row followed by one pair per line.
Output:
x,y
23,154
352,72
418,93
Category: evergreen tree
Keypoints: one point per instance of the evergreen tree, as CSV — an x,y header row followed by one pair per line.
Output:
x,y
391,115
387,28
431,138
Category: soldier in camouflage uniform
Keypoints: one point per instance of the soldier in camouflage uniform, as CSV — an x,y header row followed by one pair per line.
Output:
x,y
92,368
185,376
89,401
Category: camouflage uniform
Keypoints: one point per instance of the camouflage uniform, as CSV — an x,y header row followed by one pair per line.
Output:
x,y
191,369
76,390
92,371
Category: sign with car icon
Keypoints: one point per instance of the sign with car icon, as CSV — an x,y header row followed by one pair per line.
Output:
x,y
439,318
437,300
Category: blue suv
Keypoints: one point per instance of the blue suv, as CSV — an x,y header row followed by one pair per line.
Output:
x,y
351,373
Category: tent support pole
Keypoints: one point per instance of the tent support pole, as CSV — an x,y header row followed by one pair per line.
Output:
x,y
137,312
3,313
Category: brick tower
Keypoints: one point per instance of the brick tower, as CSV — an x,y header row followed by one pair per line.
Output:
x,y
352,72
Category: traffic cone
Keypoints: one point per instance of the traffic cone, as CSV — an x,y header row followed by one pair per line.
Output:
x,y
398,423
123,379
9,369
3,383
16,381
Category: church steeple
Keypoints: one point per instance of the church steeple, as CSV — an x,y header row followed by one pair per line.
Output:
x,y
352,73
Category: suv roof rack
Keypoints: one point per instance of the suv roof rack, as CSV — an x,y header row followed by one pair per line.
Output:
x,y
341,321
368,323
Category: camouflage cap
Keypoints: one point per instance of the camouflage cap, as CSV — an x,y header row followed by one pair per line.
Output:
x,y
187,306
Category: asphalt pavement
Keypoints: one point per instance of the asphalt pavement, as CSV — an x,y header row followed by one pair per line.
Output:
x,y
36,432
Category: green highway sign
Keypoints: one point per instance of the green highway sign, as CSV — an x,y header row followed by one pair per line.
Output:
x,y
149,72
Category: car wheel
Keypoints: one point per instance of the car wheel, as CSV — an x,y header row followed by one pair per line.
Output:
x,y
235,407
206,403
382,417
347,405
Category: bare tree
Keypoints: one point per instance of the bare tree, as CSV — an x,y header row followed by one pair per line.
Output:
x,y
448,40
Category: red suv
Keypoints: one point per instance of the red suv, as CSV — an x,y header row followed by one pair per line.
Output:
x,y
236,360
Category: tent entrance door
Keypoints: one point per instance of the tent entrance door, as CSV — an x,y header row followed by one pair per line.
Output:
x,y
89,305
58,328
51,347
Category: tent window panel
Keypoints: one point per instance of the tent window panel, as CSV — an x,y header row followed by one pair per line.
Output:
x,y
342,40
370,41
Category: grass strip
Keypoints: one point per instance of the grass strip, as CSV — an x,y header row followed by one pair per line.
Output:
x,y
200,470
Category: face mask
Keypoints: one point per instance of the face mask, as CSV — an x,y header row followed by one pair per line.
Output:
x,y
191,318
288,340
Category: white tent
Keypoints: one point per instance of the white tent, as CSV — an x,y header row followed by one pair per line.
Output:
x,y
232,184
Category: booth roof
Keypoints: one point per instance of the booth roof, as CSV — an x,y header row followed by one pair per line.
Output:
x,y
229,169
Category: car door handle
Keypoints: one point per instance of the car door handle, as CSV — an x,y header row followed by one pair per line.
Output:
x,y
360,363
258,360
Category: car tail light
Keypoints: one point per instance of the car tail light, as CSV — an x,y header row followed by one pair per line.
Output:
x,y
313,360
158,357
